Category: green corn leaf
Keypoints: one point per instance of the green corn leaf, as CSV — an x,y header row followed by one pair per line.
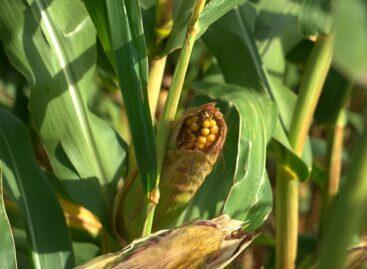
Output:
x,y
276,31
276,20
315,17
242,65
25,183
257,119
98,13
24,257
333,98
84,252
259,212
53,44
7,247
351,39
212,12
130,55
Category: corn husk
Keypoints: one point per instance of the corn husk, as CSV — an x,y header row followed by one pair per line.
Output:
x,y
185,167
200,244
357,256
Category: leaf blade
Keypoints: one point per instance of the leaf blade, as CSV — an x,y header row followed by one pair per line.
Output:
x,y
50,249
52,43
315,18
7,246
243,66
130,55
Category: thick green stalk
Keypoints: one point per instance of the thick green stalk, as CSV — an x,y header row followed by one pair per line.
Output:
x,y
287,184
170,107
349,208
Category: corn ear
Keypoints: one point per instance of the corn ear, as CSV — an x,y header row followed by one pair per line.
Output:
x,y
200,244
196,140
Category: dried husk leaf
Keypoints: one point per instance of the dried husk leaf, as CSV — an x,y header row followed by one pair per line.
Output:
x,y
185,167
357,256
200,244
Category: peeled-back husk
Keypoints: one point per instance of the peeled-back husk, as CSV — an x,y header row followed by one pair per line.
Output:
x,y
200,244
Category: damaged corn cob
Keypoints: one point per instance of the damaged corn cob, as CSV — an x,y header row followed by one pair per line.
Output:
x,y
195,142
200,244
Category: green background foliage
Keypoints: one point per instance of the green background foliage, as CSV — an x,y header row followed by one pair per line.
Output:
x,y
75,118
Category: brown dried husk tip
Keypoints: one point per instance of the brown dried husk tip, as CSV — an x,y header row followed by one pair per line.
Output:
x,y
200,244
196,140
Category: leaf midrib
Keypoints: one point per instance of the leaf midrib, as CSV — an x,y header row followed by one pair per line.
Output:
x,y
261,71
77,101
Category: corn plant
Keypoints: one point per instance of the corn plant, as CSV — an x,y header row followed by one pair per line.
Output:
x,y
183,134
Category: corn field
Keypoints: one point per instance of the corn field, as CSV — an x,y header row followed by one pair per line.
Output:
x,y
183,134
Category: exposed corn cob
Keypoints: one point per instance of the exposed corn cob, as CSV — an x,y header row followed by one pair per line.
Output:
x,y
195,142
200,244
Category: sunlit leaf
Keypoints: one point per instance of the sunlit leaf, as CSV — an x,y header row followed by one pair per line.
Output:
x,y
25,183
53,44
130,55
7,247
351,39
276,31
315,17
98,13
242,65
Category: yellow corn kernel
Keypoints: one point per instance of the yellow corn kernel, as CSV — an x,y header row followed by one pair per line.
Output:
x,y
205,131
214,130
201,140
206,123
210,138
213,123
195,127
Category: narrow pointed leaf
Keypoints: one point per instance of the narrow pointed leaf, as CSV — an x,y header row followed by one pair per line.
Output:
x,y
48,236
7,247
98,13
257,119
130,56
